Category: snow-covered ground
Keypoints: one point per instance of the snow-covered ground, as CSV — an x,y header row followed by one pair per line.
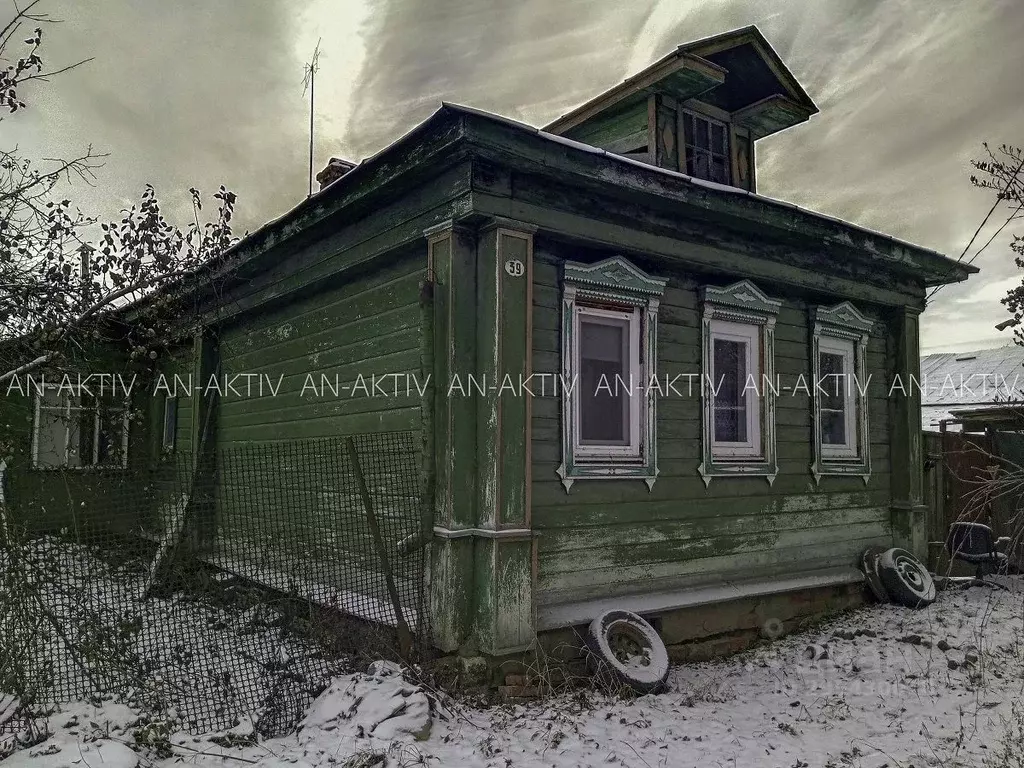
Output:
x,y
212,660
900,687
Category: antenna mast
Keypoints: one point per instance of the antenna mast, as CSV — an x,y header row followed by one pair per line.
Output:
x,y
309,82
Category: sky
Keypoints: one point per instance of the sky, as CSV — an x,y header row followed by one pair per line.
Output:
x,y
200,93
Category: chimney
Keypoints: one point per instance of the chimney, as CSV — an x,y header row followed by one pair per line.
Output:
x,y
335,169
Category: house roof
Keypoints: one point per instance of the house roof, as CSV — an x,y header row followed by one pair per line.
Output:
x,y
710,47
981,377
702,66
933,267
723,189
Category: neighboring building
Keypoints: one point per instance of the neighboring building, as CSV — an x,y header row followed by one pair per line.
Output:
x,y
953,383
625,239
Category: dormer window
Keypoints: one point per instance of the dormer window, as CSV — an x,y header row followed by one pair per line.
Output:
x,y
707,147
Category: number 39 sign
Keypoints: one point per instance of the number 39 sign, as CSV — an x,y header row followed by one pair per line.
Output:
x,y
515,267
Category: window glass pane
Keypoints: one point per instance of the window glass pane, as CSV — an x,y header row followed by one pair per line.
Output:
x,y
170,420
52,436
718,170
603,397
109,440
832,389
697,164
833,383
718,138
81,435
833,427
730,366
701,127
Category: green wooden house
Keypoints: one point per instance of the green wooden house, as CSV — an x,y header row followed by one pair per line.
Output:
x,y
618,343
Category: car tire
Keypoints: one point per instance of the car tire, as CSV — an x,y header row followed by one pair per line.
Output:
x,y
869,565
905,578
622,643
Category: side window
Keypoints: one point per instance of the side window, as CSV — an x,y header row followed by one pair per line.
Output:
x,y
78,430
838,355
609,341
170,424
707,148
738,388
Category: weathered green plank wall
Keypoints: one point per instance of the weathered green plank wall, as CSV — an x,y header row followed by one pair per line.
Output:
x,y
621,130
285,506
608,537
369,326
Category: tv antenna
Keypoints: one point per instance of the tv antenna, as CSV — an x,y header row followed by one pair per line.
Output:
x,y
308,83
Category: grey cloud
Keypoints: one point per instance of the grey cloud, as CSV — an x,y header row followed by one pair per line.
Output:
x,y
180,94
908,91
204,93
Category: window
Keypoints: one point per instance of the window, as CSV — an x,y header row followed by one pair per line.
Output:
x,y
735,379
838,402
170,422
738,389
78,430
609,335
839,344
608,416
707,148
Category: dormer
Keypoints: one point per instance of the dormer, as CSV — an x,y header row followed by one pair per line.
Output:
x,y
698,110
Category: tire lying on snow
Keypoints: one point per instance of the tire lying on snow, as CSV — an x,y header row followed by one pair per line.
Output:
x,y
905,578
869,565
627,646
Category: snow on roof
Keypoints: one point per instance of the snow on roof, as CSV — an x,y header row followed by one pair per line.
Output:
x,y
691,179
580,146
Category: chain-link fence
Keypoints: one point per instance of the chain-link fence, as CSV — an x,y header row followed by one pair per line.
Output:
x,y
222,587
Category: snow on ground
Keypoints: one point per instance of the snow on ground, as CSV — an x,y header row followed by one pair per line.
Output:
x,y
211,660
900,687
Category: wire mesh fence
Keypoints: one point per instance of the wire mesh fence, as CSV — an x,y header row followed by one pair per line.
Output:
x,y
216,588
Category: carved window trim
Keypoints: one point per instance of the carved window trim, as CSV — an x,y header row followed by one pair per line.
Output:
x,y
612,283
845,323
741,303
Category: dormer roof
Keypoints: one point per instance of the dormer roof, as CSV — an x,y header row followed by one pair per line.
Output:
x,y
737,71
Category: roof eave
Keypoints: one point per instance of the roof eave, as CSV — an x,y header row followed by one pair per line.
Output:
x,y
636,84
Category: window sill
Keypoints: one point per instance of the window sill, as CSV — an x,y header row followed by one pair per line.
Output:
x,y
620,470
738,467
852,467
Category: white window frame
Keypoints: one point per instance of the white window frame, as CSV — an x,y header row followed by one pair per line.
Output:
x,y
742,311
629,318
750,335
615,290
842,327
168,441
68,408
845,349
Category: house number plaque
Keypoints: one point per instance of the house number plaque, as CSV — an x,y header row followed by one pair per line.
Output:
x,y
515,267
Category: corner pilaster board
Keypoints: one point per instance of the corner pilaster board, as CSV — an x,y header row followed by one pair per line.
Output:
x,y
906,464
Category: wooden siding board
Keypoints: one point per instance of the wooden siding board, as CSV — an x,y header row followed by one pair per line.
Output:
x,y
610,580
308,256
615,534
366,325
